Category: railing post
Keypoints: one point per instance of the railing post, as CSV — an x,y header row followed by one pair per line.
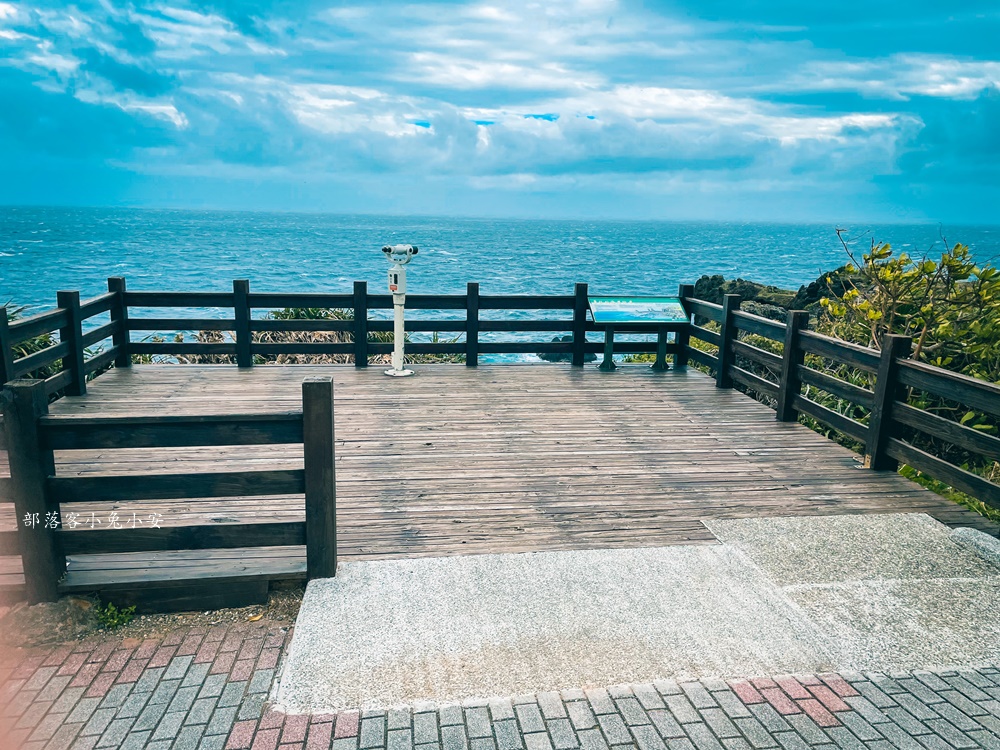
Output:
x,y
730,303
241,308
683,336
320,477
6,349
119,316
789,385
579,325
887,388
472,325
24,403
361,324
72,334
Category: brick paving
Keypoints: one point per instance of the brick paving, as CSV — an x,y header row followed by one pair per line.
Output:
x,y
209,687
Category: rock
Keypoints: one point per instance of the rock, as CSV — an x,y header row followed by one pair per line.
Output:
x,y
555,357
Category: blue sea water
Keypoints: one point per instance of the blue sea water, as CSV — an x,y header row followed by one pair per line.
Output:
x,y
43,250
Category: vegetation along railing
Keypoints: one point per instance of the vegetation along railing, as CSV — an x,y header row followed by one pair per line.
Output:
x,y
864,395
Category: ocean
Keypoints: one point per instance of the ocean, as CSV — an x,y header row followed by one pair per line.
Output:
x,y
43,250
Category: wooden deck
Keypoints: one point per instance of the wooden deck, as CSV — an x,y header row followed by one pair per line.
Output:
x,y
500,458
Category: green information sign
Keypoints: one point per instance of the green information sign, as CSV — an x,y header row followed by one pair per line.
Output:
x,y
626,310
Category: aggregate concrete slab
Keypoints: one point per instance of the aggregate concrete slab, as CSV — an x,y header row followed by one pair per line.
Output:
x,y
777,596
831,549
445,629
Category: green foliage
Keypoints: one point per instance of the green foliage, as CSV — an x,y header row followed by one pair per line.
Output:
x,y
32,345
111,617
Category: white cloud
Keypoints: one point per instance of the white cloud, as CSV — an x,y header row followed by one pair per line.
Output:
x,y
901,76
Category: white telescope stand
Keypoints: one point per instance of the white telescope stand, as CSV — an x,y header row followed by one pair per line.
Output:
x,y
399,256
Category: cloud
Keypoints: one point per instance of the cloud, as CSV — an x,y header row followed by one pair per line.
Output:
x,y
513,96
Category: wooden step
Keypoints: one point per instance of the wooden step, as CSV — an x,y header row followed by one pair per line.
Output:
x,y
184,580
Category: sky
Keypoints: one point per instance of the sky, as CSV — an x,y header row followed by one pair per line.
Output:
x,y
766,110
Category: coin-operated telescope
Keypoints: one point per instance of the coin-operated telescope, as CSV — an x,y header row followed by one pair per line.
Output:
x,y
399,256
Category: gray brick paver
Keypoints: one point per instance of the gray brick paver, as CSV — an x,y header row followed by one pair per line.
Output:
x,y
791,741
551,704
188,738
600,701
666,724
950,733
985,739
959,718
400,739
731,704
537,741
506,734
450,715
372,732
844,738
632,711
425,727
614,729
861,728
592,739
698,695
702,737
755,732
719,722
812,733
770,718
682,709
581,715
115,734
647,696
453,738
562,734
901,739
529,716
872,693
647,738
483,743
477,721
961,702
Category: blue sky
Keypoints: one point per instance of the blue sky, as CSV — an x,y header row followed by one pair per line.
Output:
x,y
766,110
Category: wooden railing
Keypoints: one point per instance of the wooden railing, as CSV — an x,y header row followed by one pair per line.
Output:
x,y
892,422
127,328
41,494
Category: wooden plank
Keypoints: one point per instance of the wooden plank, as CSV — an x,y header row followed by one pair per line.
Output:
x,y
755,354
558,326
320,477
41,358
83,433
166,486
182,324
703,358
300,348
525,302
472,325
98,305
361,324
10,543
173,348
839,388
711,337
99,334
580,307
241,316
150,539
703,309
101,361
727,334
939,469
887,391
947,430
24,403
35,325
976,394
57,382
839,351
831,418
72,335
684,292
119,316
281,301
6,349
755,324
750,380
792,357
302,324
178,299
